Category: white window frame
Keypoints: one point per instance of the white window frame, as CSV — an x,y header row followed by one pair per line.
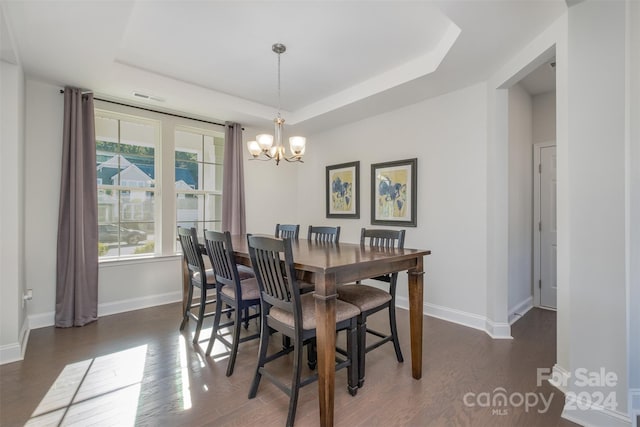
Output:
x,y
202,192
164,179
125,185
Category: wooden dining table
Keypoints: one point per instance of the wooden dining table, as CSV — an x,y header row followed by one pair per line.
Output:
x,y
329,265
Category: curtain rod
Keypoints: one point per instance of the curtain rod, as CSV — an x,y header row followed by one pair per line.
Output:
x,y
154,111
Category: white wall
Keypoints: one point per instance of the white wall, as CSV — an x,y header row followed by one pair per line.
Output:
x,y
597,235
43,154
12,259
520,200
544,117
447,134
272,191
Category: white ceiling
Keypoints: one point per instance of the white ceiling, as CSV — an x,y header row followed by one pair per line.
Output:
x,y
541,80
345,60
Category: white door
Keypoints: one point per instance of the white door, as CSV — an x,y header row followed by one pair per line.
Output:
x,y
547,282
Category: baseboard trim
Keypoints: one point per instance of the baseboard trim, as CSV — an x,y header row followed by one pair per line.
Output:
x,y
48,319
470,320
138,303
42,320
14,352
520,310
559,378
499,330
10,353
595,415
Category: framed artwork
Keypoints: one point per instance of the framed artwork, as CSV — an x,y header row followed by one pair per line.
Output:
x,y
394,192
343,190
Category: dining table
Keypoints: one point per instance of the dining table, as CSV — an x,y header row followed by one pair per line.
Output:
x,y
328,265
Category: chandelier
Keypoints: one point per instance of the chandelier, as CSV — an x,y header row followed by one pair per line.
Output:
x,y
263,147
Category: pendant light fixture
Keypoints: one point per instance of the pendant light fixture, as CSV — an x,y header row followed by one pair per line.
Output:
x,y
269,147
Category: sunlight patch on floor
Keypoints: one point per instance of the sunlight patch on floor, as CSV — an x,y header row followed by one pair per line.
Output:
x,y
106,388
184,374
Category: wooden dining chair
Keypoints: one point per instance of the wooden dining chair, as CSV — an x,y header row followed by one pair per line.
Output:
x,y
199,278
239,295
324,234
370,299
287,230
292,314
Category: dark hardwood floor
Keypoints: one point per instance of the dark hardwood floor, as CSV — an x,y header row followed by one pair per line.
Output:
x,y
136,368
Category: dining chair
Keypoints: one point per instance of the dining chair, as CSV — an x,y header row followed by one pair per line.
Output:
x,y
287,230
199,277
324,234
370,299
292,314
239,295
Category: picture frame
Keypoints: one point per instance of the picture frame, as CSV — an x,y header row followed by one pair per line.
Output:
x,y
343,190
394,193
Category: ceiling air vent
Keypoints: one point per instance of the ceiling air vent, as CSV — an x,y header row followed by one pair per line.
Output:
x,y
145,96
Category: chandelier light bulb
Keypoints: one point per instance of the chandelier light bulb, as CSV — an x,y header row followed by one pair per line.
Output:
x,y
265,141
297,144
254,148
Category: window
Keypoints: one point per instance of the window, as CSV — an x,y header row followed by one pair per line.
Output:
x,y
198,183
141,197
126,164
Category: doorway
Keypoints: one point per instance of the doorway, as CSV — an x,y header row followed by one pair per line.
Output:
x,y
531,134
545,226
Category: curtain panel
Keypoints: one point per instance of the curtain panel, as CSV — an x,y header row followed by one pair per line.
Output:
x,y
77,251
233,205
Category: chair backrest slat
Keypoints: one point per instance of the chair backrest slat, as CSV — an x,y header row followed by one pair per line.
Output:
x,y
220,251
324,234
290,231
191,249
383,239
272,261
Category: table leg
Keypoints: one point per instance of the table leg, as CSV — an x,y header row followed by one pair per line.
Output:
x,y
325,295
416,292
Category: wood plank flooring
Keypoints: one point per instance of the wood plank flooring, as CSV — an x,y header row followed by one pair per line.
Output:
x,y
136,368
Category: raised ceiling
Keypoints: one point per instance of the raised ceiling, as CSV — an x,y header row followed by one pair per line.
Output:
x,y
345,59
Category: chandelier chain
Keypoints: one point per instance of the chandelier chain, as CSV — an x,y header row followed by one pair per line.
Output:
x,y
278,85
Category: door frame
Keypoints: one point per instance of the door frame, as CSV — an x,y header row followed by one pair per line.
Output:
x,y
535,227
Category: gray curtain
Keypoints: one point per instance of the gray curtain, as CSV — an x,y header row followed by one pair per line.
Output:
x,y
233,208
77,256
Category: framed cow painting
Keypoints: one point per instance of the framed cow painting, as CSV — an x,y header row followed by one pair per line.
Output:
x,y
394,193
343,190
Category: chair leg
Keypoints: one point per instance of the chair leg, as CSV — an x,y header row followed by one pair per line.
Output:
x,y
216,325
262,355
185,315
246,317
362,348
352,351
203,304
237,324
312,354
394,331
295,380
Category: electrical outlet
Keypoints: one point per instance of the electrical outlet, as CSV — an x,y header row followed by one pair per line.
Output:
x,y
28,296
